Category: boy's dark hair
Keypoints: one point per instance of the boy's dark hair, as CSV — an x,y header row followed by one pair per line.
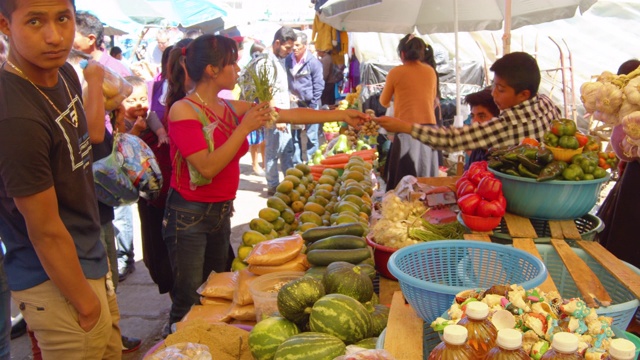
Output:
x,y
7,7
136,81
520,70
87,24
483,98
412,48
628,66
284,34
115,51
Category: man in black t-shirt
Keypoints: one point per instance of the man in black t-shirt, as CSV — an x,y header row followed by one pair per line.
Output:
x,y
55,262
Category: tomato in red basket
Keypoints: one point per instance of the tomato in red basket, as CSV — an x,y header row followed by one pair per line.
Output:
x,y
469,203
489,188
582,139
489,208
466,187
464,177
503,201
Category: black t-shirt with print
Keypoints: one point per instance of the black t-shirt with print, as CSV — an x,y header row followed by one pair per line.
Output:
x,y
41,148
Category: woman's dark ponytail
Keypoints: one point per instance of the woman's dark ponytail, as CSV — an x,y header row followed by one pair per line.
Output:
x,y
176,74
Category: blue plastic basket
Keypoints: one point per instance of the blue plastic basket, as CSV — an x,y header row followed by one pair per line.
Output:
x,y
431,274
624,303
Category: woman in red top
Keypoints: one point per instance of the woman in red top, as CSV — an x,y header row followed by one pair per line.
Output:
x,y
197,222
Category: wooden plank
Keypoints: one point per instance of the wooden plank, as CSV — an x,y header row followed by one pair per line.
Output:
x,y
529,246
592,290
477,237
615,266
403,338
556,229
569,230
387,288
519,227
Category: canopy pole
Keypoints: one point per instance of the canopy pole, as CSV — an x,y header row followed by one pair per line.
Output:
x,y
457,121
506,37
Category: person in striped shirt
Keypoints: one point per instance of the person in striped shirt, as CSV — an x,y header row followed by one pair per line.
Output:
x,y
523,112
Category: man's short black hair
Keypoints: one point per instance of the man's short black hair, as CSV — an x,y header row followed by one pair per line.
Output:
x,y
483,98
115,51
87,24
628,66
7,7
284,34
520,70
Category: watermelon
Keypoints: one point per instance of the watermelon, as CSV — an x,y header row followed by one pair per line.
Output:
x,y
268,334
344,278
368,343
379,318
341,316
296,298
310,346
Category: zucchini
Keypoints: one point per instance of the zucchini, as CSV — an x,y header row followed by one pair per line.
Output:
x,y
324,257
321,232
339,242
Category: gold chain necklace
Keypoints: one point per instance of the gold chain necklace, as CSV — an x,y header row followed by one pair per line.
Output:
x,y
73,115
204,103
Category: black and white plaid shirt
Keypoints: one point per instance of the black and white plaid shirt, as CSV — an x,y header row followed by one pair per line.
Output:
x,y
530,118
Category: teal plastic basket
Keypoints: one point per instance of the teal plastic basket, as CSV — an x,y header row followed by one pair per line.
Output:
x,y
624,303
431,274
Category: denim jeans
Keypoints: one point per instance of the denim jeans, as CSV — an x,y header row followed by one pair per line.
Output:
x,y
197,237
123,227
279,146
5,312
313,137
313,142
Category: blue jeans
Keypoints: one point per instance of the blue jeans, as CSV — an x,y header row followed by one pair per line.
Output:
x,y
313,143
279,146
5,312
197,238
123,228
313,136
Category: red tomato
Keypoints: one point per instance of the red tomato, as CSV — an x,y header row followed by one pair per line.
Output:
x,y
489,188
466,187
582,139
530,141
489,209
475,178
469,203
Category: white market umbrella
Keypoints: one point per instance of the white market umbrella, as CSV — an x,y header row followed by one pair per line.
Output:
x,y
443,16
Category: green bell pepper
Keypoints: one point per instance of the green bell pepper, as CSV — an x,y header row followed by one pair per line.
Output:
x,y
550,139
573,172
599,173
568,142
562,127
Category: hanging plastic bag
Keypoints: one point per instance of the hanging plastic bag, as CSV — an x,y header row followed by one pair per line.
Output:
x,y
195,178
112,183
140,165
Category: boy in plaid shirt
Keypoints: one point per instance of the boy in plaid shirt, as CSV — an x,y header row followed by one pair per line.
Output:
x,y
523,112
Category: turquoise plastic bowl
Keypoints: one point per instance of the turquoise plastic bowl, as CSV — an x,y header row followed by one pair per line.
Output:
x,y
549,200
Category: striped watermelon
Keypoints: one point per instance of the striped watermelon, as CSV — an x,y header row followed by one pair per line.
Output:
x,y
379,318
310,346
268,334
341,316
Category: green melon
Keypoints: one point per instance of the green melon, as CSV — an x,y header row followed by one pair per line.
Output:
x,y
296,298
379,318
310,346
344,278
341,316
368,343
268,334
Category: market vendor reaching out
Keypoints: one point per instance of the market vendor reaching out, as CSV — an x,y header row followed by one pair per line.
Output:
x,y
523,112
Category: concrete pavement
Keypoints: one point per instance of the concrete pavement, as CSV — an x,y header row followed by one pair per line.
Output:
x,y
144,312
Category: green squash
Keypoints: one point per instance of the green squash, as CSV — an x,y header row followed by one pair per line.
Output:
x,y
379,318
296,298
344,278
